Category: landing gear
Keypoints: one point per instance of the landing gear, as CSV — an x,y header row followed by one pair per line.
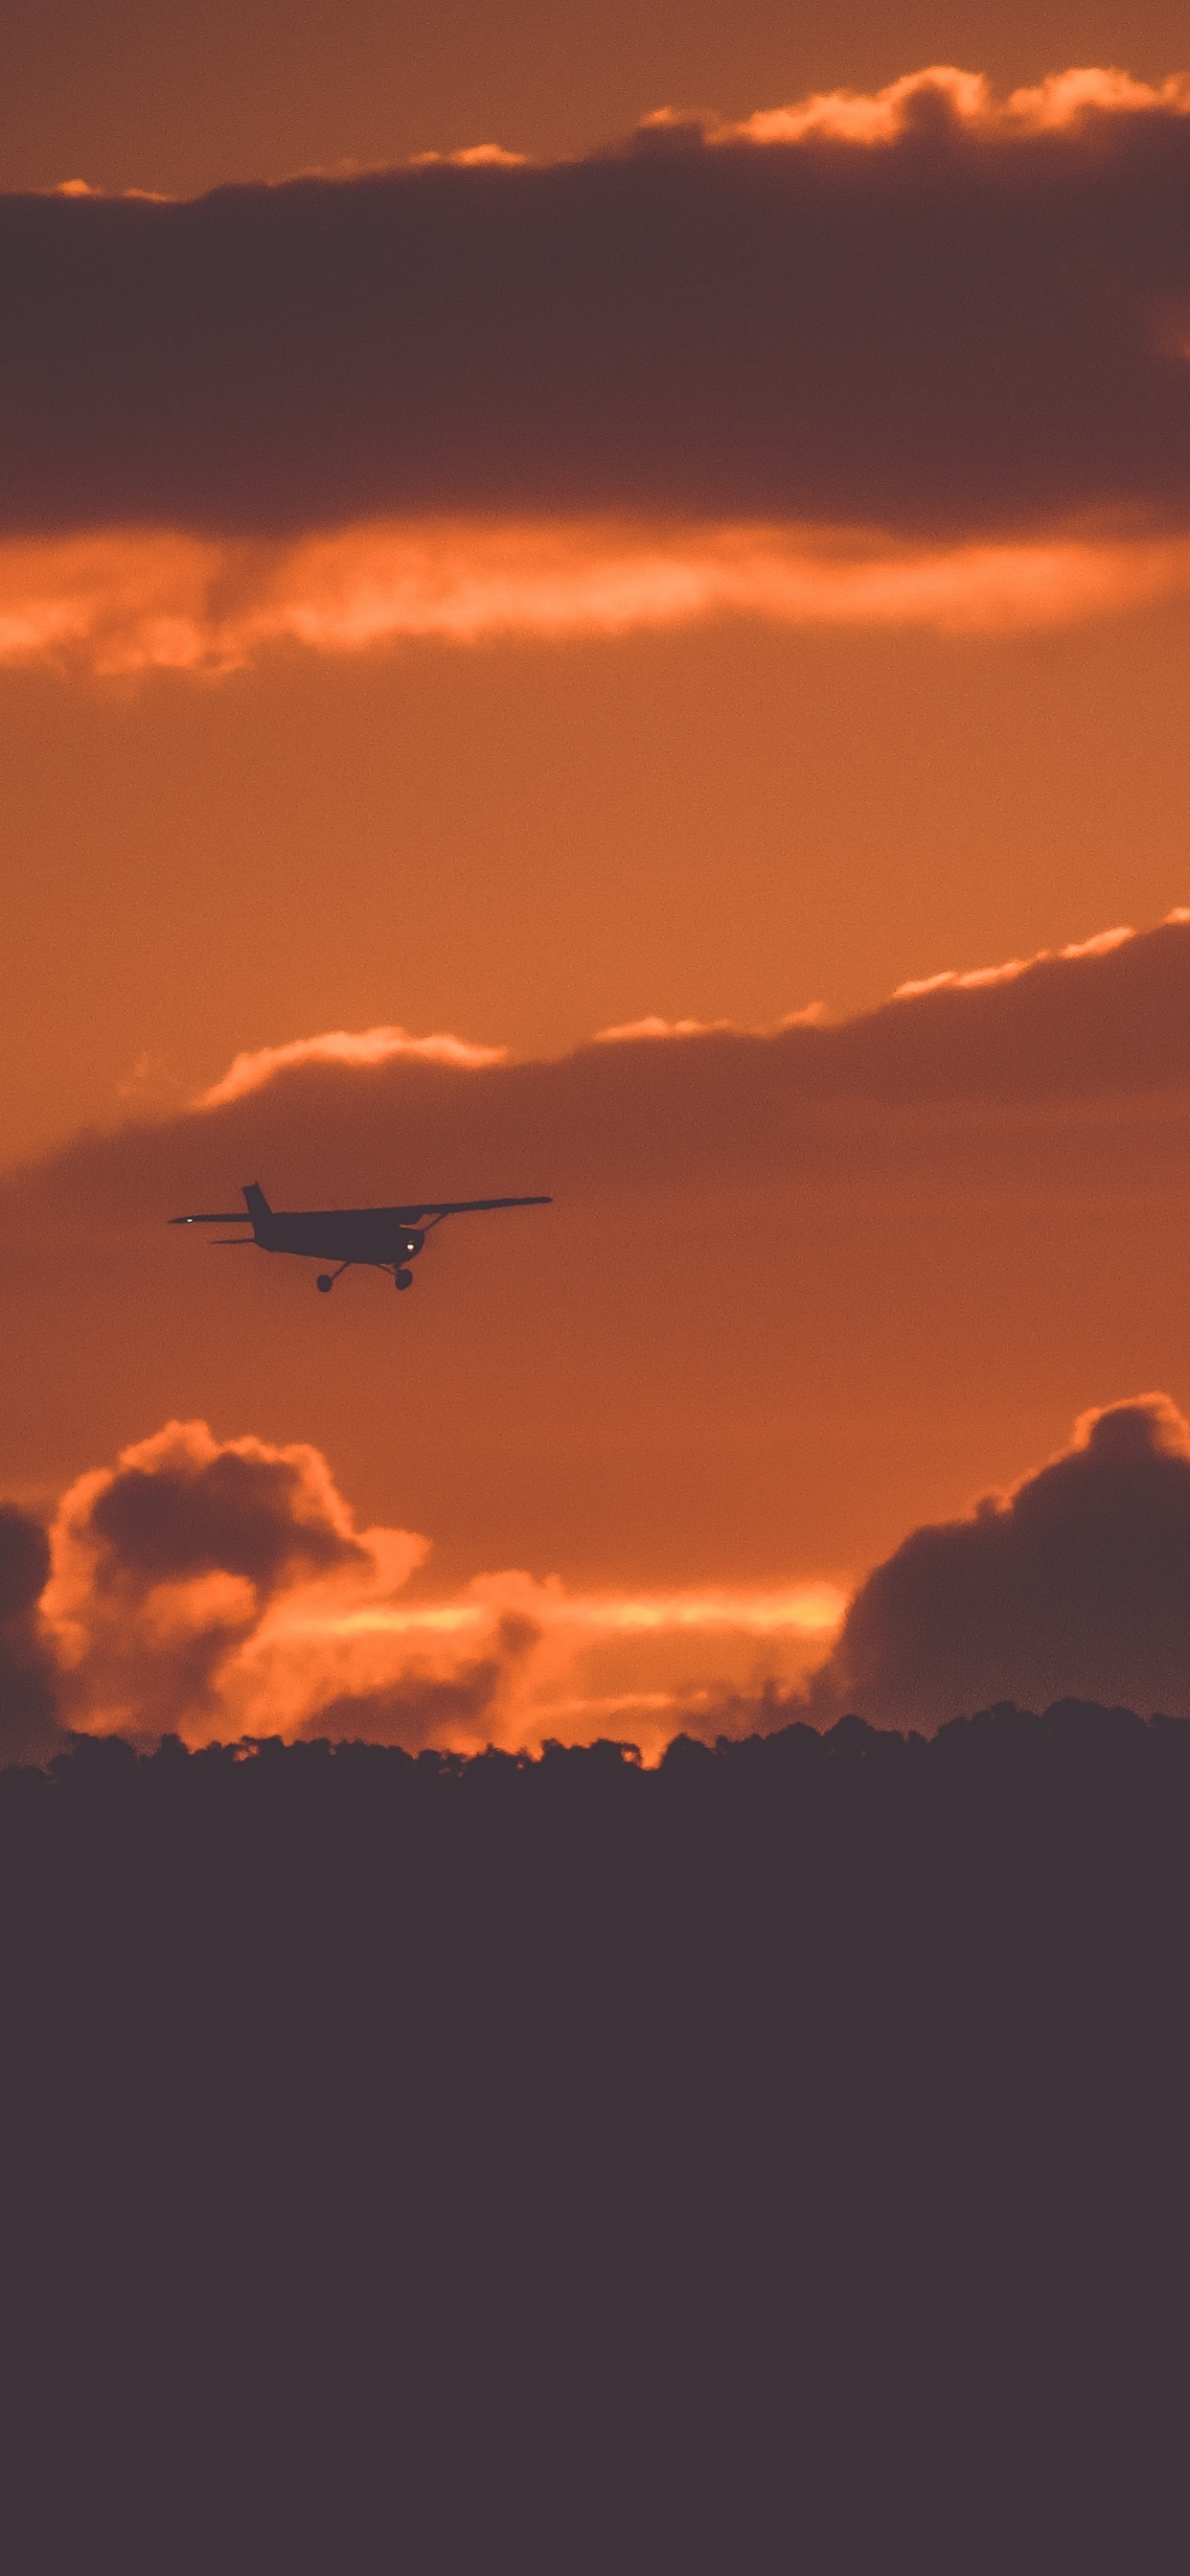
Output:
x,y
403,1278
324,1283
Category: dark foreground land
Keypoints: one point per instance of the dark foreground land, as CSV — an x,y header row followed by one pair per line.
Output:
x,y
777,2162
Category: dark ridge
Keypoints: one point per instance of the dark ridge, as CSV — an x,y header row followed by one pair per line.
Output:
x,y
775,2161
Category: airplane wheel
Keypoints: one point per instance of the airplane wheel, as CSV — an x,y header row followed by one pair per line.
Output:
x,y
324,1283
404,1278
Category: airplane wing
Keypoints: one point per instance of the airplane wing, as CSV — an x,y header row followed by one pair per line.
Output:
x,y
461,1207
404,1215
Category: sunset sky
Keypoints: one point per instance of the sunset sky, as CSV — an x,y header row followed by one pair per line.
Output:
x,y
609,616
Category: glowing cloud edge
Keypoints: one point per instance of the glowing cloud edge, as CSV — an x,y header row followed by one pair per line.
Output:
x,y
120,604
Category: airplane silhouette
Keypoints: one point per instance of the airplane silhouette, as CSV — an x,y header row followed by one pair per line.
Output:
x,y
376,1238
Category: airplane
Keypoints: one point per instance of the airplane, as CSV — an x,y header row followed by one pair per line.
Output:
x,y
376,1238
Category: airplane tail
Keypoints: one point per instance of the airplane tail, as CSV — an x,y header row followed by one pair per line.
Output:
x,y
255,1201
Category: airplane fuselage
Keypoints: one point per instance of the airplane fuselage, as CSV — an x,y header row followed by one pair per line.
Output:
x,y
340,1234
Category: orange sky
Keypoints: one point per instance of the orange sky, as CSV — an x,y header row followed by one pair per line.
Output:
x,y
525,844
523,778
795,1293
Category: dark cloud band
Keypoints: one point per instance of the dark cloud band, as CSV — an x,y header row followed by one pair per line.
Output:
x,y
1108,1023
961,327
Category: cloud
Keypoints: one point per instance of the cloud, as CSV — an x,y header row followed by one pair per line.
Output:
x,y
943,95
926,312
249,1071
1100,944
1072,1586
220,1588
153,600
676,1099
653,1027
28,1723
166,1568
459,1711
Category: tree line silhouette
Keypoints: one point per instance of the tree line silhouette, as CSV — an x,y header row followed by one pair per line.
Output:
x,y
777,2160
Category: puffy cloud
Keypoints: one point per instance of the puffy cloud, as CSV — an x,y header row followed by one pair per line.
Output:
x,y
28,1724
1074,1585
944,94
222,1589
924,312
217,1588
166,1567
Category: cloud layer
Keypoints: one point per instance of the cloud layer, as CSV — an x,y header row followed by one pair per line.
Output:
x,y
659,1103
893,1256
928,313
217,1588
220,1589
1075,1585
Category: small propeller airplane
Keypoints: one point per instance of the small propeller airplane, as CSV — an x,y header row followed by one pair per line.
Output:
x,y
356,1238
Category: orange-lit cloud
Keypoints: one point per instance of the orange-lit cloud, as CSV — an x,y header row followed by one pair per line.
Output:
x,y
120,604
165,1567
653,1027
941,93
534,1653
223,1588
1100,944
342,1046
